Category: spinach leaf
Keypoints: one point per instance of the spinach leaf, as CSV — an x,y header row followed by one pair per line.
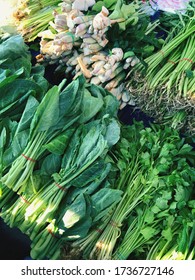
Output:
x,y
47,113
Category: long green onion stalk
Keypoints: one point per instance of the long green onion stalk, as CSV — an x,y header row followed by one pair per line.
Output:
x,y
165,85
32,17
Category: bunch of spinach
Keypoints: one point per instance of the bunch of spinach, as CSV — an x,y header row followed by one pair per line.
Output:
x,y
53,159
18,78
51,116
78,214
22,86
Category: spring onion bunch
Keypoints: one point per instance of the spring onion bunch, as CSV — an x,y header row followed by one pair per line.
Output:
x,y
166,85
32,17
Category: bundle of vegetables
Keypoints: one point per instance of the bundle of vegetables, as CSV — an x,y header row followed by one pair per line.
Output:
x,y
21,85
165,235
19,80
84,206
32,16
165,88
81,41
53,160
65,207
156,175
177,241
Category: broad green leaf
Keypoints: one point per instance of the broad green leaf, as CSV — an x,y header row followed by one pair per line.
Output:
x,y
110,209
92,145
2,144
38,70
4,73
90,106
70,154
75,212
2,139
8,157
47,113
148,232
13,47
89,175
17,90
28,114
112,133
51,164
104,198
25,63
79,230
41,81
92,186
71,97
8,79
60,143
19,142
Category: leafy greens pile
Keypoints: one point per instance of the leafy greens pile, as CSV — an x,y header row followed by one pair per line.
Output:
x,y
53,164
72,178
155,217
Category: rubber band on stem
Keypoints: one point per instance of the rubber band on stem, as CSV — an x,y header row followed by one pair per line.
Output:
x,y
99,230
172,62
52,234
28,158
23,199
187,59
163,54
60,187
113,224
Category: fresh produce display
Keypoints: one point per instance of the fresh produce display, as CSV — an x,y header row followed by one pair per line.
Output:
x,y
79,39
156,177
54,148
74,179
29,17
168,82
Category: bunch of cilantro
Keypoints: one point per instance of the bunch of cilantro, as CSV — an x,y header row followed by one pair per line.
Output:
x,y
162,225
